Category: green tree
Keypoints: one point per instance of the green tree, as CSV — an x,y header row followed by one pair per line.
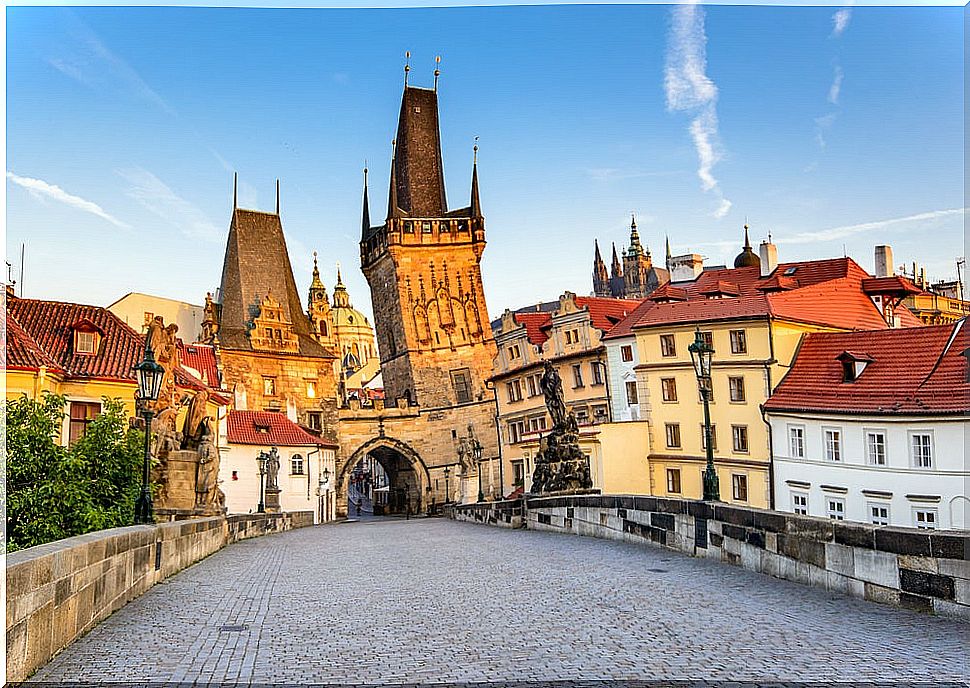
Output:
x,y
54,492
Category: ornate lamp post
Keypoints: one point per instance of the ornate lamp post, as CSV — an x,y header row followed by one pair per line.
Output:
x,y
447,488
701,354
477,454
261,460
150,375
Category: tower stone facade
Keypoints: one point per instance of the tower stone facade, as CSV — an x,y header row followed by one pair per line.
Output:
x,y
422,266
634,278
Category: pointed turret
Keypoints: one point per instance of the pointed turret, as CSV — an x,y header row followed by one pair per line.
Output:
x,y
601,278
365,216
315,283
393,209
667,260
635,248
341,298
616,269
476,205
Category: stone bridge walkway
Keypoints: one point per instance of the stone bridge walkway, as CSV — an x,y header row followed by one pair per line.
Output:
x,y
430,600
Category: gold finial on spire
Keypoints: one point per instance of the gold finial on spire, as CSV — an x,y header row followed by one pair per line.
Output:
x,y
407,66
437,72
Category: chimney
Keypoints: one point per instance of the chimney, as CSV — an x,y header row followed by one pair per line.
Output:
x,y
769,257
884,261
686,268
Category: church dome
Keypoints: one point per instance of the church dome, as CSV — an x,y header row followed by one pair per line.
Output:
x,y
747,258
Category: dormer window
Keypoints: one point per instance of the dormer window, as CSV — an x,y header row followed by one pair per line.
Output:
x,y
87,337
85,343
853,364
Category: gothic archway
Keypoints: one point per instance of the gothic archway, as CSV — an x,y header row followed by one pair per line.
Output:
x,y
409,481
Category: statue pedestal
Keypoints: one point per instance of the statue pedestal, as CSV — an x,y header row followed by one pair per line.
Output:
x,y
180,475
272,500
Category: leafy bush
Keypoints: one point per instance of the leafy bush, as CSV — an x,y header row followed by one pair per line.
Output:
x,y
55,492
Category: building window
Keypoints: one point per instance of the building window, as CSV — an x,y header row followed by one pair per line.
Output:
x,y
515,390
311,389
832,439
577,375
673,480
597,368
925,519
537,424
739,344
626,353
736,385
739,487
799,503
516,430
532,383
739,436
631,393
572,336
462,382
713,437
668,387
879,514
582,417
835,508
296,464
426,227
876,448
85,343
82,413
518,473
667,345
269,386
796,438
314,420
514,352
708,338
673,435
922,445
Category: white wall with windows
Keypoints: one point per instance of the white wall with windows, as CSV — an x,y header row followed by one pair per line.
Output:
x,y
885,470
621,360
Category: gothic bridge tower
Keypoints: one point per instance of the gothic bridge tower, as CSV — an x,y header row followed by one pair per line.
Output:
x,y
422,266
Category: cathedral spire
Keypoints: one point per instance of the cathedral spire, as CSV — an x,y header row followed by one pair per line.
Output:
x,y
667,262
419,173
616,269
365,218
476,204
635,247
601,279
392,208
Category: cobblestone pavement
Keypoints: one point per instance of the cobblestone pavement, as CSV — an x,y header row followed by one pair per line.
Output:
x,y
430,600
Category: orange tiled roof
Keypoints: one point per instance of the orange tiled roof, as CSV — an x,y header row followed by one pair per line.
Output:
x,y
268,429
202,358
604,314
824,292
916,370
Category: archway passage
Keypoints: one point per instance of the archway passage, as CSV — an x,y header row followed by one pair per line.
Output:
x,y
385,477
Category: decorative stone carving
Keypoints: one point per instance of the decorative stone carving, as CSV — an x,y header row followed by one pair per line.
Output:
x,y
560,466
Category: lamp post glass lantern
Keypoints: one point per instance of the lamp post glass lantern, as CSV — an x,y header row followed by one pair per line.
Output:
x,y
701,354
150,375
477,453
261,459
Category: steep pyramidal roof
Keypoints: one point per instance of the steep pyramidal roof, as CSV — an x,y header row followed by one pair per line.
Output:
x,y
419,174
255,265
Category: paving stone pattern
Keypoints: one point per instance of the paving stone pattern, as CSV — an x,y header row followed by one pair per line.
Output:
x,y
433,600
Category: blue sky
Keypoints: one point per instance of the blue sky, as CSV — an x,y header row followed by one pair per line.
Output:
x,y
834,129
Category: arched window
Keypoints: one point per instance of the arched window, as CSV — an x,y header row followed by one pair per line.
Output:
x,y
296,464
323,327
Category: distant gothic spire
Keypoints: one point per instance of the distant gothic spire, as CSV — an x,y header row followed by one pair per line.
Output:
x,y
599,267
392,207
316,283
635,247
667,262
616,269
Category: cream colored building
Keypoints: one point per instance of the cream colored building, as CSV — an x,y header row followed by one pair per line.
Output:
x,y
568,333
137,310
754,316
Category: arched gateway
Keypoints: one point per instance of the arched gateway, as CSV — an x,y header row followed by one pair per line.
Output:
x,y
409,479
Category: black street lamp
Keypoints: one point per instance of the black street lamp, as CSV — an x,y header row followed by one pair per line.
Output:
x,y
150,375
701,354
477,453
261,460
447,488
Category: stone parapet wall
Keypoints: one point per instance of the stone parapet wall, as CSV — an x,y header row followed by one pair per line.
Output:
x,y
923,570
59,591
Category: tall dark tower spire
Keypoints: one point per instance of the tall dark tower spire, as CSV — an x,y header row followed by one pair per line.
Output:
x,y
393,210
476,204
601,278
419,173
667,260
365,216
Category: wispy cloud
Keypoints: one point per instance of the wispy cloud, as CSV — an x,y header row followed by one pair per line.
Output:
x,y
160,200
840,21
845,231
689,89
822,125
41,189
836,86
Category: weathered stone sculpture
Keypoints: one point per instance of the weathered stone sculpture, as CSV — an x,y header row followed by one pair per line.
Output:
x,y
272,489
561,466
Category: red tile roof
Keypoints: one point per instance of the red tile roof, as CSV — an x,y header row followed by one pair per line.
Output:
x,y
201,358
22,352
918,370
604,314
823,292
50,324
268,429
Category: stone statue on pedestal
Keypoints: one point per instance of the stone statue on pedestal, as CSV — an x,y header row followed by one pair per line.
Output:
x,y
561,466
272,489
